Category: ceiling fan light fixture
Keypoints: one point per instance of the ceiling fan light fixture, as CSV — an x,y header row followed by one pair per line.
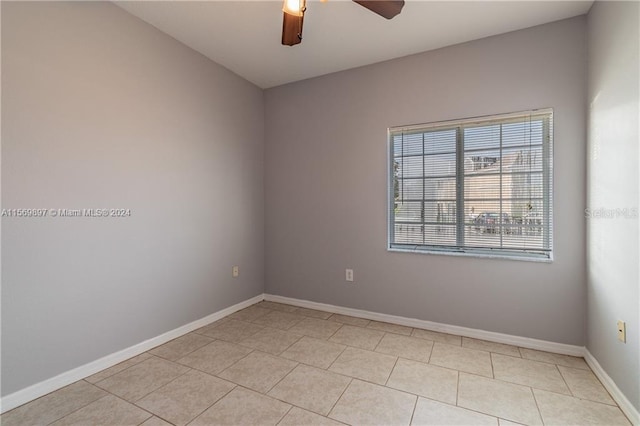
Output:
x,y
294,7
387,8
293,15
292,20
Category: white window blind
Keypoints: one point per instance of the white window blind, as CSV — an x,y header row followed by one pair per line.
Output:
x,y
478,186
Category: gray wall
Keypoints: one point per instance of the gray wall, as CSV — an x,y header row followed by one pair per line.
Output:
x,y
102,110
326,184
612,254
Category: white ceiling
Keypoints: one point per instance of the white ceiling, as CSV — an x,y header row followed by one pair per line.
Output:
x,y
244,36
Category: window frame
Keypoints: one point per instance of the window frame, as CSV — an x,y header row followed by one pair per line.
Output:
x,y
459,125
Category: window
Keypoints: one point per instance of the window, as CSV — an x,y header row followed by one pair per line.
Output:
x,y
480,186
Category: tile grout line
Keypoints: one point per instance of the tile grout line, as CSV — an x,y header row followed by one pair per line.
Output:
x,y
143,409
111,375
493,373
530,387
334,333
293,405
211,405
283,377
456,369
391,371
413,412
235,385
615,404
565,382
186,354
457,389
228,367
557,367
368,326
299,337
390,387
285,414
68,414
489,414
535,400
339,398
334,361
473,410
379,341
162,386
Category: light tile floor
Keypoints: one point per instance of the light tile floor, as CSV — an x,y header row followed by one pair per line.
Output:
x,y
277,364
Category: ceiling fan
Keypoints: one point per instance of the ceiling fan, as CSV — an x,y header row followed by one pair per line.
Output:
x,y
293,15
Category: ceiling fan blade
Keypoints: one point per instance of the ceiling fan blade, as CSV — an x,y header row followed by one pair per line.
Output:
x,y
291,29
385,8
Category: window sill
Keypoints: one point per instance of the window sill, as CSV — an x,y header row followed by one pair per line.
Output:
x,y
476,254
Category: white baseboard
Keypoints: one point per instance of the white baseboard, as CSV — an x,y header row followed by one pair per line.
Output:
x,y
40,389
491,336
61,380
625,405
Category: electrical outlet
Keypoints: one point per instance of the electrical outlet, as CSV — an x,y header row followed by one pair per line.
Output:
x,y
235,271
622,331
349,275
